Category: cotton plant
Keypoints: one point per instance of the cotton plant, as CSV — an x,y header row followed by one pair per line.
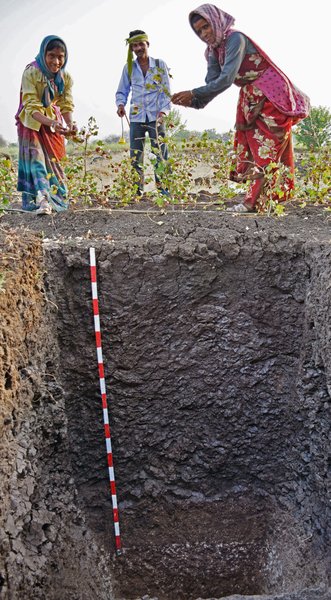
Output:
x,y
8,180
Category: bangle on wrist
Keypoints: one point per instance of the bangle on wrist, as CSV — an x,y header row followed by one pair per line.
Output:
x,y
54,125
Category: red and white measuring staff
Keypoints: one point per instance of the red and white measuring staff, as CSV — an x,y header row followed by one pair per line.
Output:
x,y
95,301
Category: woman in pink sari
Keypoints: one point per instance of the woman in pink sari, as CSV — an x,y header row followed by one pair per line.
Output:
x,y
268,106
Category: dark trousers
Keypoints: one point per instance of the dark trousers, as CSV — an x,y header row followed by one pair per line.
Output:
x,y
156,134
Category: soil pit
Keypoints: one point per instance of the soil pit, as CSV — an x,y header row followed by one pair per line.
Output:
x,y
216,345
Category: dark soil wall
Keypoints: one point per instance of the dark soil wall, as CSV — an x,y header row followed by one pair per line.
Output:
x,y
45,545
216,342
218,397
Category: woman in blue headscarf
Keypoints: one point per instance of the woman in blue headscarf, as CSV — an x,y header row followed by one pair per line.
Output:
x,y
43,118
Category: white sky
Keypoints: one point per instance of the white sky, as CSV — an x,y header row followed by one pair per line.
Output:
x,y
294,33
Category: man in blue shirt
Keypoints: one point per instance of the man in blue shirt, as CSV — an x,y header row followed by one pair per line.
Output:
x,y
148,81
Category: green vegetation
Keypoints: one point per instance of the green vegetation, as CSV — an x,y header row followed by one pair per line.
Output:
x,y
8,179
90,162
314,132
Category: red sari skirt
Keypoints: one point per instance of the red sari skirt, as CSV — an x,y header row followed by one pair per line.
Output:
x,y
263,136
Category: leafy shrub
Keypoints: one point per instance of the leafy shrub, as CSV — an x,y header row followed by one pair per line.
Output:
x,y
313,182
314,132
8,180
186,152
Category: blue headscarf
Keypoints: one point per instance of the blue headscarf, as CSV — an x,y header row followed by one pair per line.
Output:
x,y
56,77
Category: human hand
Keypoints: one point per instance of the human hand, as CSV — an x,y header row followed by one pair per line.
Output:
x,y
71,129
57,127
160,118
121,111
74,128
182,98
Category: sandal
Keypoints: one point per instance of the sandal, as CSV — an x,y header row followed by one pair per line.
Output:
x,y
239,208
44,208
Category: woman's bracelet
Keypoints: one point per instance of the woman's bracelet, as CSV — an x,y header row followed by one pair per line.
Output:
x,y
52,126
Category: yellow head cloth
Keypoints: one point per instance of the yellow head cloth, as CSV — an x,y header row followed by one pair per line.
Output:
x,y
143,37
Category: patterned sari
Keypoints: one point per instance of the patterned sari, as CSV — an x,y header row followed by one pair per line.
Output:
x,y
263,134
39,167
41,152
269,105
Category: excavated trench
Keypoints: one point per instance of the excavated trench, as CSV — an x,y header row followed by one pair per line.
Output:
x,y
216,347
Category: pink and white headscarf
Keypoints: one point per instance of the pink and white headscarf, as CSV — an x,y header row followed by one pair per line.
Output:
x,y
221,23
276,86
